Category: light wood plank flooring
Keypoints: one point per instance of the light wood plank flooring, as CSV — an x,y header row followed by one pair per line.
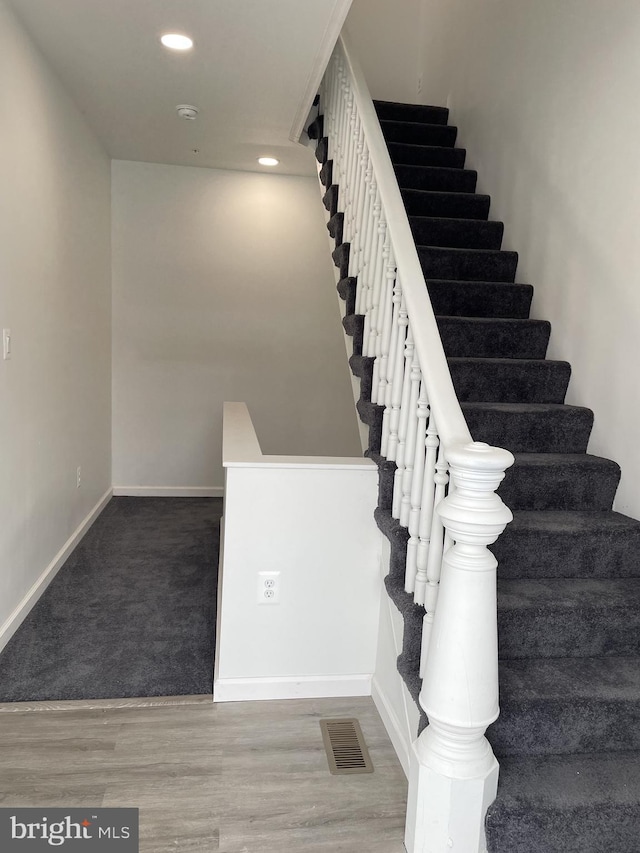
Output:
x,y
245,777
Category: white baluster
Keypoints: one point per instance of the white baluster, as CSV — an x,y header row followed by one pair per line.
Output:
x,y
397,384
454,774
417,487
434,559
377,278
427,501
380,374
391,366
410,442
403,426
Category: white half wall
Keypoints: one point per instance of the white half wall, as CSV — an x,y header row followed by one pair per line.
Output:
x,y
222,289
310,519
55,390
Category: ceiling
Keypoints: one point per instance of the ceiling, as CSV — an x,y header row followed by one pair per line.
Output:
x,y
252,73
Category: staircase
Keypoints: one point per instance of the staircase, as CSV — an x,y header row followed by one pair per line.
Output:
x,y
568,735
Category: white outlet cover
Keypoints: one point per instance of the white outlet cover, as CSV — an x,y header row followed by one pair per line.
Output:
x,y
268,588
6,344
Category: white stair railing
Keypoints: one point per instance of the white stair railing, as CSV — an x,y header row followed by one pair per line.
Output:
x,y
444,487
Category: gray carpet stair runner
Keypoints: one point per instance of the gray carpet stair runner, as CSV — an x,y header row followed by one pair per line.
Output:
x,y
568,737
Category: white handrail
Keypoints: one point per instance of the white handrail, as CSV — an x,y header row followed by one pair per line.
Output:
x,y
452,425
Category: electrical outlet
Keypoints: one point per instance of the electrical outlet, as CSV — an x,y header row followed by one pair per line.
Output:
x,y
78,477
268,587
420,82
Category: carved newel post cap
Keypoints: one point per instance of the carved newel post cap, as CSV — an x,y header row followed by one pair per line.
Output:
x,y
473,512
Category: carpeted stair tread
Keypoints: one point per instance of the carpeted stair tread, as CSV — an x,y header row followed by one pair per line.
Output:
x,y
491,337
540,544
480,264
583,803
315,129
371,415
362,367
453,205
509,380
340,257
436,178
326,175
574,617
567,705
426,155
497,299
560,481
353,325
346,287
456,233
530,427
394,111
322,150
419,133
330,199
335,227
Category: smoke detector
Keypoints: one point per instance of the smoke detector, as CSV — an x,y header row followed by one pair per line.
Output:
x,y
187,111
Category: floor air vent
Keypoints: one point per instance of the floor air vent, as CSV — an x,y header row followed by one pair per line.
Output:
x,y
346,750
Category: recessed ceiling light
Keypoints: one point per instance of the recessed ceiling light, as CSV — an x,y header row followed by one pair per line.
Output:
x,y
176,41
268,161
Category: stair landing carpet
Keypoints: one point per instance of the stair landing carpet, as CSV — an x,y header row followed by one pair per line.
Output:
x,y
130,614
568,735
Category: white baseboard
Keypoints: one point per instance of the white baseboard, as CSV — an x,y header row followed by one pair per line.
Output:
x,y
169,491
396,731
291,687
15,619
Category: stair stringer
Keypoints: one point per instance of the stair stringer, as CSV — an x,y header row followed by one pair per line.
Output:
x,y
395,704
363,429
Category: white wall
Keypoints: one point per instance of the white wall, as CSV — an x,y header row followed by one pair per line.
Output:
x,y
55,297
222,290
386,38
544,95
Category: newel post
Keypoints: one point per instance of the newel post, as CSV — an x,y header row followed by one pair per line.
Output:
x,y
454,773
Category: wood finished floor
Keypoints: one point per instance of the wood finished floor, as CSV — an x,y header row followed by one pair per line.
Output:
x,y
245,777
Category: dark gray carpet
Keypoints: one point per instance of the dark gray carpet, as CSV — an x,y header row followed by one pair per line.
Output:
x,y
569,567
131,613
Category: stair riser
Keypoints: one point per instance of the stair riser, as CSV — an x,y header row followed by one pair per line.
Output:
x,y
480,299
426,155
340,257
475,339
517,381
471,265
457,233
434,179
565,727
419,134
390,111
549,488
322,150
560,431
583,555
566,632
450,205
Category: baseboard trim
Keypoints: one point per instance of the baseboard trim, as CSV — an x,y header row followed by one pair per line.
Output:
x,y
291,687
19,614
392,724
169,491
